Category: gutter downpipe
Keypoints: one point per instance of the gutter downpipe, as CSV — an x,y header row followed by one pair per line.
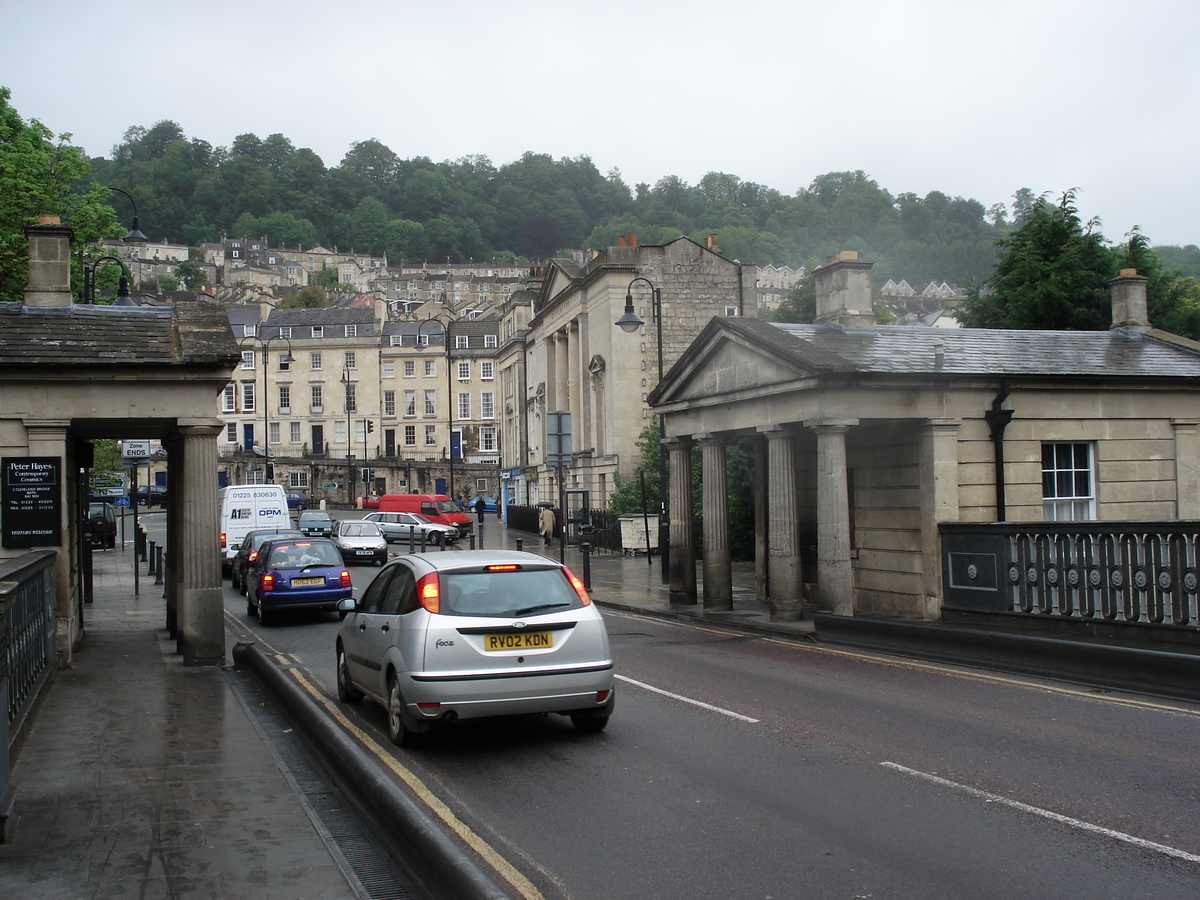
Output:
x,y
998,419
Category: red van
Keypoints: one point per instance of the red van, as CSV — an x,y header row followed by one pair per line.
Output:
x,y
435,507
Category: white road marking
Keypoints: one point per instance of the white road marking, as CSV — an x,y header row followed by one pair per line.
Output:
x,y
701,704
1047,814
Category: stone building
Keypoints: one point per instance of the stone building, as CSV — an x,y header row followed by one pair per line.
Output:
x,y
359,392
870,439
569,356
72,373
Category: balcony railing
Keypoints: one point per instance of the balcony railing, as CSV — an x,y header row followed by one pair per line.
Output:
x,y
1123,573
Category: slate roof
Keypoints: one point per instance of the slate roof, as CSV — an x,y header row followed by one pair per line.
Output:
x,y
187,334
989,352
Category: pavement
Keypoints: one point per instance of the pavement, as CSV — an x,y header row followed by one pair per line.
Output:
x,y
140,777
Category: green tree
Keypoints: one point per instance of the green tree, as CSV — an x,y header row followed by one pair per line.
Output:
x,y
1053,273
800,307
627,496
311,297
44,175
191,275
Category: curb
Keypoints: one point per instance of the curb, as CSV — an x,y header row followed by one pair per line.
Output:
x,y
1158,672
442,867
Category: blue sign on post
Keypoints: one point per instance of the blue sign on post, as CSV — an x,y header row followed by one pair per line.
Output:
x,y
120,501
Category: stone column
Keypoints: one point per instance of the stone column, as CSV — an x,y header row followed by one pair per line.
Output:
x,y
176,513
783,566
200,607
762,503
1187,469
939,503
718,577
681,577
835,576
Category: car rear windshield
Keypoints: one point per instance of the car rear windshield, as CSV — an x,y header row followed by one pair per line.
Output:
x,y
507,594
302,554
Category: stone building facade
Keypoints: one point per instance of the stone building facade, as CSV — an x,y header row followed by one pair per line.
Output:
x,y
568,356
867,438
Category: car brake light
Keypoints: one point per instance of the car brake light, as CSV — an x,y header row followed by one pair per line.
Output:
x,y
504,568
223,544
601,696
428,707
579,588
253,555
267,583
345,578
429,592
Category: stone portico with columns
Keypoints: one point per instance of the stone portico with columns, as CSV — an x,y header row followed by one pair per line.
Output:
x,y
866,438
71,373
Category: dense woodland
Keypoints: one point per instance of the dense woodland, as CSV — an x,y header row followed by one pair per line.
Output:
x,y
417,209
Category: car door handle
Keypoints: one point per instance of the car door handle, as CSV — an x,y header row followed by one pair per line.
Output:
x,y
385,627
362,626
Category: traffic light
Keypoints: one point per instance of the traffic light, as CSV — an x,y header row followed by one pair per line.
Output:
x,y
366,476
370,426
270,471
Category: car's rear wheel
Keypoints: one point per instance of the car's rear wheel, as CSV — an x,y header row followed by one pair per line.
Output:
x,y
400,729
346,691
264,618
590,721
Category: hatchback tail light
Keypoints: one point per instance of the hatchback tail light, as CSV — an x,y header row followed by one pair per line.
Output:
x,y
223,544
252,556
579,588
429,592
267,583
345,578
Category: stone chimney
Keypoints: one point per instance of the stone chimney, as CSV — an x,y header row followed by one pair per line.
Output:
x,y
1129,308
49,264
844,291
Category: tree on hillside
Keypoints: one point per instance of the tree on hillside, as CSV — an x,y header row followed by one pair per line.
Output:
x,y
1053,273
311,297
44,175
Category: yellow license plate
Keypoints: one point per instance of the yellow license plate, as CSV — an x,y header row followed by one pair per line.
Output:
x,y
305,582
534,640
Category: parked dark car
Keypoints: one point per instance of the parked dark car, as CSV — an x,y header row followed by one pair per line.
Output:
x,y
102,525
296,574
297,500
248,551
149,495
315,523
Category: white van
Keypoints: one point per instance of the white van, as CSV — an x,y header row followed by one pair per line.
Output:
x,y
246,507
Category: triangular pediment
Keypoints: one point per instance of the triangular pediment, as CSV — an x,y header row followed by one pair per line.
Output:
x,y
735,358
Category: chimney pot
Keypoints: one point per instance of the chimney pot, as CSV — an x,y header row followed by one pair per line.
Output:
x,y
633,239
621,241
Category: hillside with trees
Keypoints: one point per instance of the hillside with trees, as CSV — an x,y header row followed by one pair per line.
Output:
x,y
416,209
188,191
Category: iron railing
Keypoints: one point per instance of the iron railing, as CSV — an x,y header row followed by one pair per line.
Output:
x,y
1136,573
27,627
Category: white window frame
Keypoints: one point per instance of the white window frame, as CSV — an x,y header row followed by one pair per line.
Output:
x,y
490,340
248,404
229,398
464,405
315,361
389,369
351,359
318,331
462,342
487,369
294,436
430,435
1068,481
410,435
430,404
487,405
431,368
248,359
464,370
351,330
410,368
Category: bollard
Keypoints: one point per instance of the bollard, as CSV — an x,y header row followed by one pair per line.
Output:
x,y
481,534
520,544
472,542
585,548
164,580
158,566
153,545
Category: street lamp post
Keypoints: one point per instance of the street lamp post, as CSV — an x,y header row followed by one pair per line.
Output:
x,y
124,297
630,322
288,359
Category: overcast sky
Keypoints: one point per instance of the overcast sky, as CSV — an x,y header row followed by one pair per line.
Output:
x,y
970,98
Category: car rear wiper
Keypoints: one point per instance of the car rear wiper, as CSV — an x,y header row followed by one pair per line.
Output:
x,y
539,608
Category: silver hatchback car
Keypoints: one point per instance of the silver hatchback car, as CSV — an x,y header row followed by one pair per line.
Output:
x,y
445,636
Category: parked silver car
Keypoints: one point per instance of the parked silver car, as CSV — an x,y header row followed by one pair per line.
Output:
x,y
403,526
360,541
444,636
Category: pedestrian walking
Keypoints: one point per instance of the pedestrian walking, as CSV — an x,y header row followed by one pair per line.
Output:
x,y
546,524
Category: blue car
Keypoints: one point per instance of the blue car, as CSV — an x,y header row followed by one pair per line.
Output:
x,y
489,504
297,500
295,574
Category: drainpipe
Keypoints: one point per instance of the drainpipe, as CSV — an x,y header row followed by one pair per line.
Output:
x,y
998,419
